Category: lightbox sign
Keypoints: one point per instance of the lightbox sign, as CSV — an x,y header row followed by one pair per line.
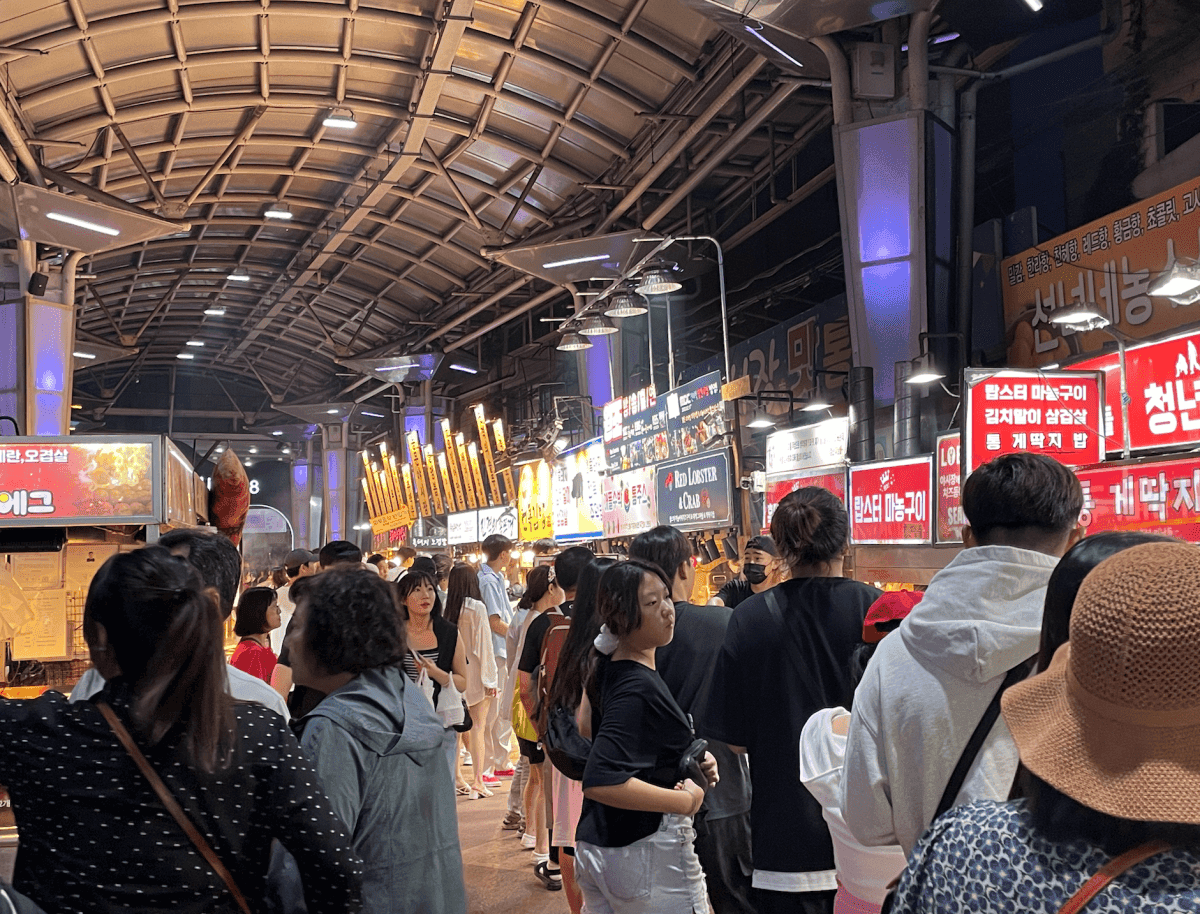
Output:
x,y
891,502
462,528
55,482
823,444
695,415
833,479
1055,413
1159,496
694,493
502,521
635,431
429,533
950,519
630,503
536,520
1163,380
578,489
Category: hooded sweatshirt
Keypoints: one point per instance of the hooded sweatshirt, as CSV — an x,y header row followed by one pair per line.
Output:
x,y
928,686
377,746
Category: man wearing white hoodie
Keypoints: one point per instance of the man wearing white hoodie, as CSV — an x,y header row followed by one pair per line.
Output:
x,y
926,689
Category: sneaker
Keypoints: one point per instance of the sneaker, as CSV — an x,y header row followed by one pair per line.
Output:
x,y
501,773
528,841
490,780
513,822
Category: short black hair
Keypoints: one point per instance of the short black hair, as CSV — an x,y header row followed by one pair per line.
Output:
x,y
375,557
411,582
214,556
1019,492
617,602
665,546
544,545
352,624
810,527
424,563
252,611
495,545
340,552
569,564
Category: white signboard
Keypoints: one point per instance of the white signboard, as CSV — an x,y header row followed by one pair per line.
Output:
x,y
463,528
820,445
496,520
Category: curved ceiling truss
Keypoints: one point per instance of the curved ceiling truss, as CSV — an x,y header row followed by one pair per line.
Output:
x,y
480,123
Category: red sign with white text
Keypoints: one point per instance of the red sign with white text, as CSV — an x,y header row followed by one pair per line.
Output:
x,y
1163,380
52,482
831,478
1160,496
1056,413
950,520
891,502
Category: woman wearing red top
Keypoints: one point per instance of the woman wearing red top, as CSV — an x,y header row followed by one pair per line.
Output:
x,y
257,617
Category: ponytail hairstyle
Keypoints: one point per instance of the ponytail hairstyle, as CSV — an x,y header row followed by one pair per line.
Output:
x,y
537,584
164,632
810,527
578,656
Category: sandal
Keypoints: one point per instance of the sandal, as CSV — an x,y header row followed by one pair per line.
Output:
x,y
462,790
551,879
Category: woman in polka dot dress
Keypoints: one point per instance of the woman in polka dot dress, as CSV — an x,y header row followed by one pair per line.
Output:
x,y
94,837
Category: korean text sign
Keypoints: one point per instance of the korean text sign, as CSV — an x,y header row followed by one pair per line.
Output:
x,y
1056,413
535,517
822,444
629,503
950,520
1163,380
891,502
579,492
694,493
831,478
55,482
1109,262
1161,496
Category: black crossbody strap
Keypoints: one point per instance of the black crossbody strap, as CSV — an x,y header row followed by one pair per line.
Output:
x,y
975,743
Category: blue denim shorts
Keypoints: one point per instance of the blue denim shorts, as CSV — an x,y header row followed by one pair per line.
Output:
x,y
660,874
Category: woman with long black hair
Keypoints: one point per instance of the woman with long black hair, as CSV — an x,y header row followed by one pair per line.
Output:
x,y
94,835
465,608
634,849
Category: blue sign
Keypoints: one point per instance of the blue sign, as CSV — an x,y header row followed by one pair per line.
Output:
x,y
695,493
696,416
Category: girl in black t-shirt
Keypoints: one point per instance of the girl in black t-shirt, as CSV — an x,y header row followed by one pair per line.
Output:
x,y
633,852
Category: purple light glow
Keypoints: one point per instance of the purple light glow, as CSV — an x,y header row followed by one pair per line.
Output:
x,y
885,187
9,362
886,290
333,470
599,374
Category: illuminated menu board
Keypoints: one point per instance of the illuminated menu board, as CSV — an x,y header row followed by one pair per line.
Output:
x,y
891,502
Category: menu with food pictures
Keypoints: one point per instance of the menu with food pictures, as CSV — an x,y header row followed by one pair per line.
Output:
x,y
635,431
696,416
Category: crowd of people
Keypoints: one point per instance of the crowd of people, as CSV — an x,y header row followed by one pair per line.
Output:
x,y
1020,736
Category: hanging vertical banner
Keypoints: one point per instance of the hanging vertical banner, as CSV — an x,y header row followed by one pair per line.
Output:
x,y
950,519
452,460
393,481
454,498
460,452
418,473
382,487
477,474
374,508
435,490
408,486
535,506
489,458
510,487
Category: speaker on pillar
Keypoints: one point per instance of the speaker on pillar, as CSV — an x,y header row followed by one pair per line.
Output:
x,y
37,284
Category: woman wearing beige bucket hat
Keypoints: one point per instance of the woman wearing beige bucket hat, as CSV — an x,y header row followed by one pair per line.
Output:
x,y
1109,738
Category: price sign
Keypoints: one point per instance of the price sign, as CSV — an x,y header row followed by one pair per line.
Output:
x,y
891,502
950,520
1056,413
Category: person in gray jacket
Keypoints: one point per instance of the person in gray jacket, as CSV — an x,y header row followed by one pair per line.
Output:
x,y
376,743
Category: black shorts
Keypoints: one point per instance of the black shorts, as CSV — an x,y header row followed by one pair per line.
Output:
x,y
531,751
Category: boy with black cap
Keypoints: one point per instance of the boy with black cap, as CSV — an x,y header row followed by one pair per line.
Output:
x,y
757,557
299,563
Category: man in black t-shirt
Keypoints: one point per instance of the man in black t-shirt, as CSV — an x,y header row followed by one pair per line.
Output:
x,y
757,557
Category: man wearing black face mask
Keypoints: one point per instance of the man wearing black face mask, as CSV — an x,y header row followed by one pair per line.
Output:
x,y
757,557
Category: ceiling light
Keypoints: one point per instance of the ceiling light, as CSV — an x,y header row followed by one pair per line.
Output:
x,y
465,369
1080,316
757,33
658,279
215,312
626,303
277,432
238,277
80,354
84,224
570,263
248,463
285,450
1178,279
186,356
815,405
278,211
573,342
76,406
924,371
340,118
333,412
597,325
195,342
761,418
253,450
373,415
1035,5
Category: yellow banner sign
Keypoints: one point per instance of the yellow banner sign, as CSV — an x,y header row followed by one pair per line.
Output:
x,y
1109,263
417,460
409,494
453,493
460,451
435,491
457,474
535,503
489,459
477,474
